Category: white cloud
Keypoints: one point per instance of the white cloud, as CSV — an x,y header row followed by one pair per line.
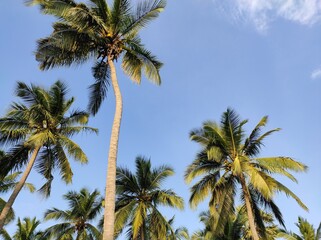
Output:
x,y
316,73
262,12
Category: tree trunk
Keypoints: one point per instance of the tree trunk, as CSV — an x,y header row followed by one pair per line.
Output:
x,y
18,188
249,209
142,231
109,214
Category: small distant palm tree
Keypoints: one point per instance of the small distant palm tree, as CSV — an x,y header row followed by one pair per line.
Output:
x,y
26,230
236,228
233,228
306,229
138,197
41,129
227,160
180,233
84,207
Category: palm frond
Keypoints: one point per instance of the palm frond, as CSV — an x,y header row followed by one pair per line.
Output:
x,y
169,198
98,90
145,12
137,58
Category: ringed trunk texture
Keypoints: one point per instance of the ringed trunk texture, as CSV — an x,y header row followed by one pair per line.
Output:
x,y
18,188
249,210
109,213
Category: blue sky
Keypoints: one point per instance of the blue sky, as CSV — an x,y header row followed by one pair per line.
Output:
x,y
258,57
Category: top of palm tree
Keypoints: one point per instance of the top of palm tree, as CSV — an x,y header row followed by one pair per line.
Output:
x,y
227,158
41,121
102,31
84,207
306,229
139,195
26,230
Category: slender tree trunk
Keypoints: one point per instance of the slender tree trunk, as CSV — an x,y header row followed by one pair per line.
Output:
x,y
18,188
109,214
142,231
249,209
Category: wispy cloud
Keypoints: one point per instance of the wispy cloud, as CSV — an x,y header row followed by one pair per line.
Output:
x,y
316,73
261,13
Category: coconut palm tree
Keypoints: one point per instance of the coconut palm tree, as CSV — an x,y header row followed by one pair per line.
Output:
x,y
84,207
139,195
233,228
236,227
180,233
306,229
26,230
106,32
41,129
227,160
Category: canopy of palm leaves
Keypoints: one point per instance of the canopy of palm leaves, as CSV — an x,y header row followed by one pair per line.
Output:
x,y
228,159
103,32
236,227
139,195
306,229
76,222
180,233
41,121
26,230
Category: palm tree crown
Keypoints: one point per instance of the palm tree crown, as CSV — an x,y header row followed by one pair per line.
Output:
x,y
26,230
228,158
138,198
84,207
41,127
105,32
306,229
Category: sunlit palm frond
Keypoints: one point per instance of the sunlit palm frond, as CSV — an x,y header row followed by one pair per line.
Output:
x,y
168,198
138,59
145,12
201,165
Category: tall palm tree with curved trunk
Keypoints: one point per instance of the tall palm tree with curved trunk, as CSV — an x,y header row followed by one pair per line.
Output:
x,y
84,207
105,32
139,195
41,129
227,160
26,230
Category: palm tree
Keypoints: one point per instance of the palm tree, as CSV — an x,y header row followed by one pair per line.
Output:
x,y
106,32
180,233
236,227
138,198
228,159
40,129
26,231
232,230
307,231
84,207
